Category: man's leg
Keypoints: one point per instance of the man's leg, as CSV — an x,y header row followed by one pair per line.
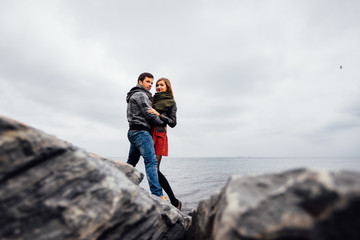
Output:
x,y
145,144
134,153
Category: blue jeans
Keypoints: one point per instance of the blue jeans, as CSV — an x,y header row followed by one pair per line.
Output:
x,y
141,143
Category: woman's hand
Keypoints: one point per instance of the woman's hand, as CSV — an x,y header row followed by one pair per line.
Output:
x,y
153,111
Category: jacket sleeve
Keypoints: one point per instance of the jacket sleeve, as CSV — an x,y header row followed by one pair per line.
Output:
x,y
170,116
144,104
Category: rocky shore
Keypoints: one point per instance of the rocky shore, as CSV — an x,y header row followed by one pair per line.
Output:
x,y
50,189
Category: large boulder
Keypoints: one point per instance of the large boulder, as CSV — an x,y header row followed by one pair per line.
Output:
x,y
298,204
130,172
50,189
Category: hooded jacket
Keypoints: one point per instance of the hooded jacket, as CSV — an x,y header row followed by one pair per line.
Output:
x,y
138,101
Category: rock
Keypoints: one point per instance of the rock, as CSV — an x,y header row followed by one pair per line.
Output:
x,y
173,217
132,173
50,189
299,204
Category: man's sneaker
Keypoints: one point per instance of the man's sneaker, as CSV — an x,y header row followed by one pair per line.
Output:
x,y
163,198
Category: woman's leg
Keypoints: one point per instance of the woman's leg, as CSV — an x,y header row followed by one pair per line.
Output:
x,y
165,184
158,158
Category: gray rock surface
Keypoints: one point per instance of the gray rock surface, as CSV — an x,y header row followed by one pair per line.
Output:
x,y
299,204
50,189
130,172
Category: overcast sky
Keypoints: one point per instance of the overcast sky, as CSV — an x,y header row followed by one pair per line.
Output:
x,y
250,78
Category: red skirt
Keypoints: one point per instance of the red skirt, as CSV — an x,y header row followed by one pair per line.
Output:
x,y
160,142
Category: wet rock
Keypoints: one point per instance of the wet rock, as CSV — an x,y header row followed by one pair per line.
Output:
x,y
50,189
298,204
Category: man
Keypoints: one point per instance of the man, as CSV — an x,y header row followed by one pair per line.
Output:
x,y
141,143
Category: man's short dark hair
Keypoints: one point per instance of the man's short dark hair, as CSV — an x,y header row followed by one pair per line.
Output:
x,y
144,75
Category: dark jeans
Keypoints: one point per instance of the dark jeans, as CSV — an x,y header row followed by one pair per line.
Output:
x,y
141,143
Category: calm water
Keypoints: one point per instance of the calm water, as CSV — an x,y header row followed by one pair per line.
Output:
x,y
195,179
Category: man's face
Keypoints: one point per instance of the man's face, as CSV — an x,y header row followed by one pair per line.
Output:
x,y
147,83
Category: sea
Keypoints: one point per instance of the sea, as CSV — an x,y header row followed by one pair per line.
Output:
x,y
196,179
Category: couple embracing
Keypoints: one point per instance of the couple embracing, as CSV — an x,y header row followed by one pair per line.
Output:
x,y
148,118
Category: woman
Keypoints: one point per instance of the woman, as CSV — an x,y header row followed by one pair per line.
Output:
x,y
165,107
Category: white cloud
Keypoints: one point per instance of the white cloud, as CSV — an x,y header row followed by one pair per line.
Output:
x,y
250,78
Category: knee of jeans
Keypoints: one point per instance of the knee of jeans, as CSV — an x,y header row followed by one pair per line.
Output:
x,y
148,154
151,161
151,164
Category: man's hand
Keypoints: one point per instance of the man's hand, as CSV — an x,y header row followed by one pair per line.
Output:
x,y
153,111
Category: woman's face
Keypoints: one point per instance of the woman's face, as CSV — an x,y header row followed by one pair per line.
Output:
x,y
161,86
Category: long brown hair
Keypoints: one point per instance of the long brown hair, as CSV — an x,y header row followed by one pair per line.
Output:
x,y
168,85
